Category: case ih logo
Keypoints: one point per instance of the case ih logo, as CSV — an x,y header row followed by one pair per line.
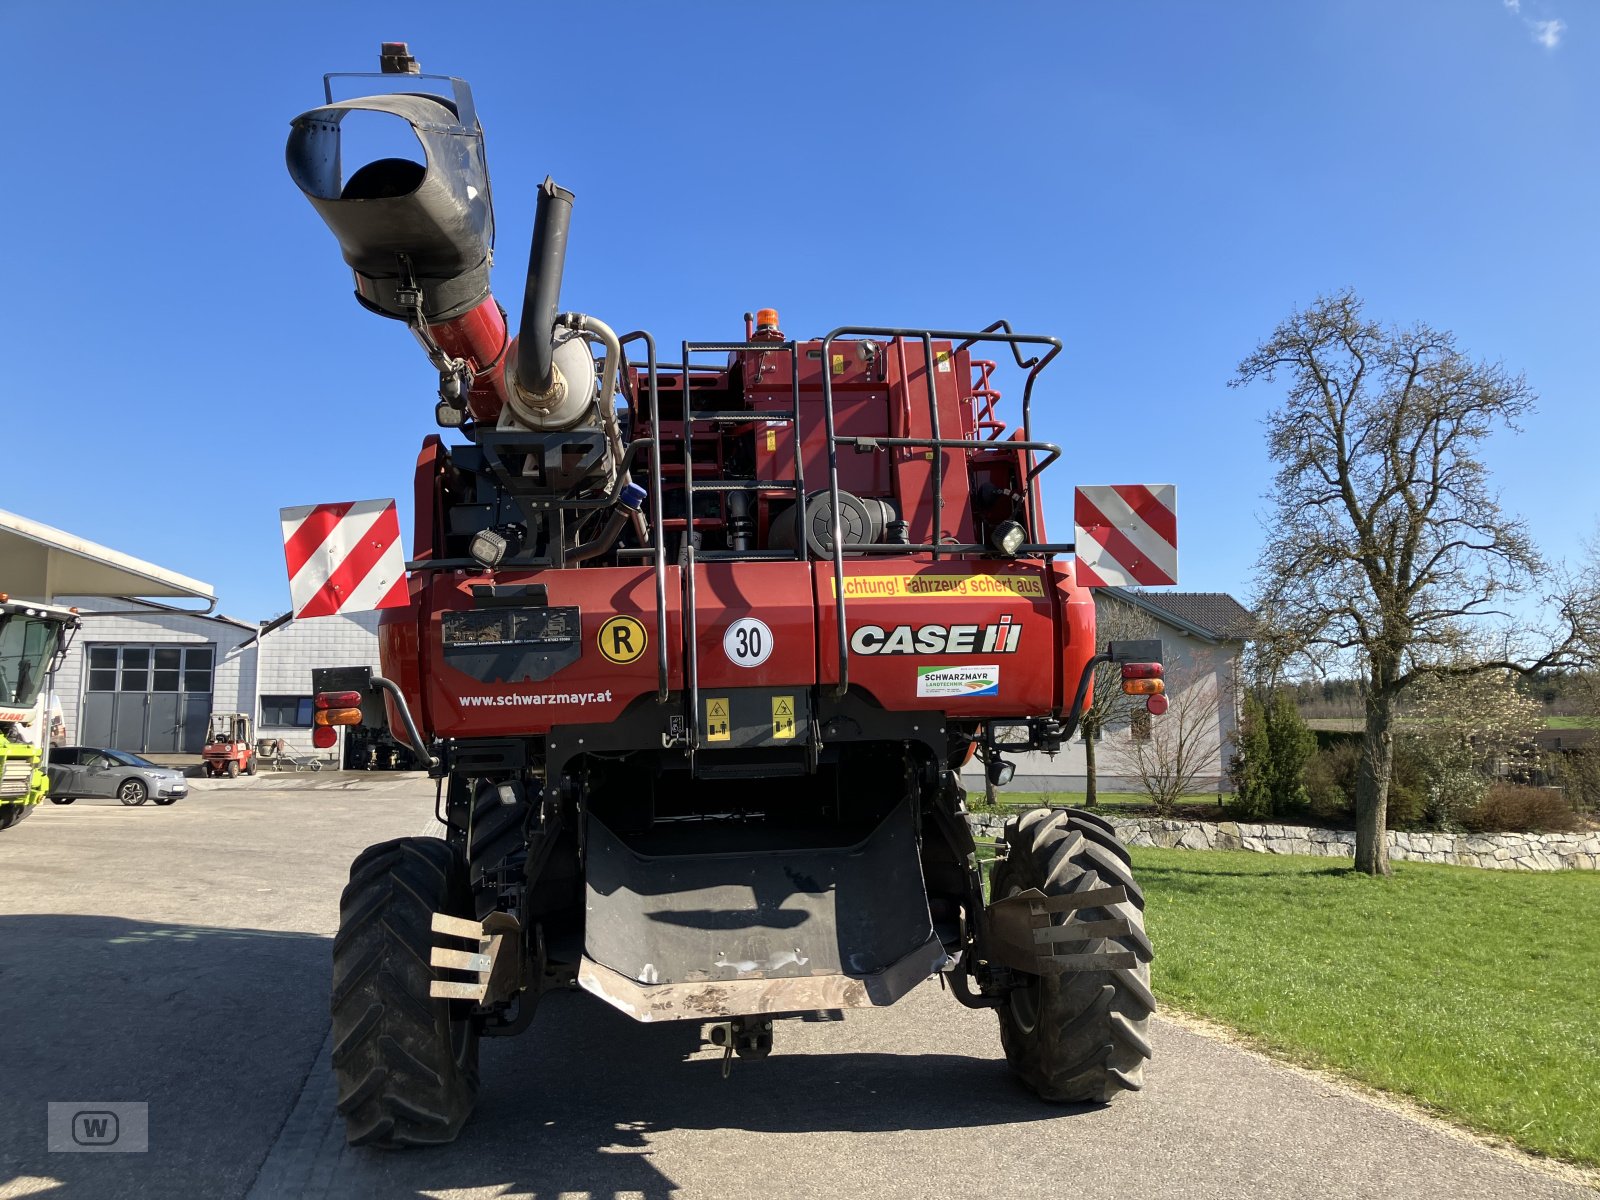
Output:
x,y
1000,638
343,557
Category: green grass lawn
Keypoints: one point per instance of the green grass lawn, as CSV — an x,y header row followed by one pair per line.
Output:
x,y
1571,722
1474,992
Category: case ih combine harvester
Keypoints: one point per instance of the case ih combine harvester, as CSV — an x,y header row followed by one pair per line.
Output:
x,y
697,650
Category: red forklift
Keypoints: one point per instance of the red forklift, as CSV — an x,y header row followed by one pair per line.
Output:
x,y
229,749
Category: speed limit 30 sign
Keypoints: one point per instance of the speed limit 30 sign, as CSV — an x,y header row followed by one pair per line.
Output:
x,y
747,642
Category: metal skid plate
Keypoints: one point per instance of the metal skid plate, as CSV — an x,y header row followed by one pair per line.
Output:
x,y
763,930
1025,935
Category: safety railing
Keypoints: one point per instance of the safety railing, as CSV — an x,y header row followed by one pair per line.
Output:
x,y
999,332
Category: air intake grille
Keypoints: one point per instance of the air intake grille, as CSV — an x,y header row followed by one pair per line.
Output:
x,y
15,776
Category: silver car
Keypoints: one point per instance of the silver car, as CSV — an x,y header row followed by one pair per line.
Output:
x,y
79,772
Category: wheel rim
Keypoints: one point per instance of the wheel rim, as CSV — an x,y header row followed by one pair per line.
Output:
x,y
131,792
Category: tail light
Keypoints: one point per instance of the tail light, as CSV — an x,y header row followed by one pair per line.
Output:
x,y
338,716
1146,670
1137,687
324,737
327,700
1156,705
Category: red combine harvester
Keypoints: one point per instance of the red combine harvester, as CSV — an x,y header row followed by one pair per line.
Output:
x,y
697,651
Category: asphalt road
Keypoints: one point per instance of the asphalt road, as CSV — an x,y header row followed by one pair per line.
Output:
x,y
179,957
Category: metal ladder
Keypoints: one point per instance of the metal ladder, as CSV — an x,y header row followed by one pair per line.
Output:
x,y
796,487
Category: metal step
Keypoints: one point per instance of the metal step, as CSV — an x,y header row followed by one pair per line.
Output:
x,y
743,485
747,555
740,415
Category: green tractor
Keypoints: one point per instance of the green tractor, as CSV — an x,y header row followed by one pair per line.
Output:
x,y
33,640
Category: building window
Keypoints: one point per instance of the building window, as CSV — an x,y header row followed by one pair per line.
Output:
x,y
283,711
1139,726
102,668
150,668
197,668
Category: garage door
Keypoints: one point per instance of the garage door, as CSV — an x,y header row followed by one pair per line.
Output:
x,y
150,699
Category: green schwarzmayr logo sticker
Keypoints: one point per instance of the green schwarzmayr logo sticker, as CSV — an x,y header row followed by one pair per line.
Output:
x,y
958,681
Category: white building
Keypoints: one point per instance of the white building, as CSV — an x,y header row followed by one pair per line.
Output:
x,y
1203,635
144,677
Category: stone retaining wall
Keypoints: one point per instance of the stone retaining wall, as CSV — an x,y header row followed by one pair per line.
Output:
x,y
1497,851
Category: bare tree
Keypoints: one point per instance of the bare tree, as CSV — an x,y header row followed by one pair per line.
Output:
x,y
1115,621
1170,753
1387,550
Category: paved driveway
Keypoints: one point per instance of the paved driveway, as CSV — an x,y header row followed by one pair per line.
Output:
x,y
180,956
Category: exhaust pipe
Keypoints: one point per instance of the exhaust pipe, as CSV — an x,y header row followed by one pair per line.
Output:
x,y
541,297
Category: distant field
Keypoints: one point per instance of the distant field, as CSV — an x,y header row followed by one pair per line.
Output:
x,y
1572,722
1353,724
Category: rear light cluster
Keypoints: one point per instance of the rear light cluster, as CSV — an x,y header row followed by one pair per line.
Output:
x,y
1144,679
333,709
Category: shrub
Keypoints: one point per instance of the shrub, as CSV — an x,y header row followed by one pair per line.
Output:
x,y
1252,792
1515,808
1330,781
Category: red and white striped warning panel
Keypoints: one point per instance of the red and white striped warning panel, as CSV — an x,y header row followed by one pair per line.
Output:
x,y
343,558
1126,534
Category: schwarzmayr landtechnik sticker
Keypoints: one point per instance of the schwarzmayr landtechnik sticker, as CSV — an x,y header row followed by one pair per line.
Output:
x,y
958,681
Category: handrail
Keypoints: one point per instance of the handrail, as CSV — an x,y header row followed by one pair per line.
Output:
x,y
660,546
1000,331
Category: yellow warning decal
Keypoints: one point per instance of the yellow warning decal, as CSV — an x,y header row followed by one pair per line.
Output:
x,y
718,728
838,364
942,360
772,441
622,640
900,587
783,716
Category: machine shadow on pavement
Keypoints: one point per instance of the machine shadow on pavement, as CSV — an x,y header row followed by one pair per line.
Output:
x,y
217,1029
571,1107
213,1028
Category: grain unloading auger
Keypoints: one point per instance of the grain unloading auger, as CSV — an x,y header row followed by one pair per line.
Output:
x,y
697,650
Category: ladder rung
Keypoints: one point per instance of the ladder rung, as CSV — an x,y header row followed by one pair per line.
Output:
x,y
744,485
741,414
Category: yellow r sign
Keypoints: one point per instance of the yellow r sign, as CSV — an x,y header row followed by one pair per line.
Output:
x,y
622,640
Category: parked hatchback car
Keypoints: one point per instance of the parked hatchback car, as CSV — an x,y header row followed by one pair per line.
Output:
x,y
80,772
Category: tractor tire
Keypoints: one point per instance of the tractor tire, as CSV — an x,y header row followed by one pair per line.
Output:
x,y
406,1064
133,792
14,814
1081,1036
233,769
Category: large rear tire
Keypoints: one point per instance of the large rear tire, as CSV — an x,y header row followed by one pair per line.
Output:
x,y
14,814
1081,1036
406,1064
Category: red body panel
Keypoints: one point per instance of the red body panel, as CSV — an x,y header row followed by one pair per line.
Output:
x,y
976,622
779,596
589,691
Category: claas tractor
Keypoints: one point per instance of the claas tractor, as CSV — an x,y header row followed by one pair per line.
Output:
x,y
696,651
33,640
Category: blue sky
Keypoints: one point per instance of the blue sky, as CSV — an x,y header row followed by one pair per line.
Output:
x,y
1158,184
